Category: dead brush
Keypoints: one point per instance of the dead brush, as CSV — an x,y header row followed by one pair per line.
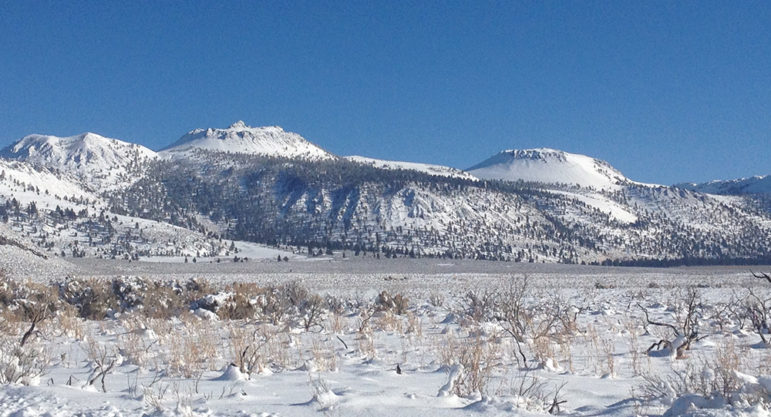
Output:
x,y
242,304
195,348
248,343
414,326
136,348
366,344
543,350
69,324
397,304
531,322
164,302
688,310
311,311
103,359
365,336
446,347
337,323
323,354
709,377
633,343
608,349
93,298
566,352
388,321
21,363
281,349
477,358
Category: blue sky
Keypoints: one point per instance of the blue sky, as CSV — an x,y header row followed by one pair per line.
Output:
x,y
664,91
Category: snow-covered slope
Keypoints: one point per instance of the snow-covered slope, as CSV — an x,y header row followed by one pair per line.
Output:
x,y
27,183
100,163
752,185
270,141
438,170
549,166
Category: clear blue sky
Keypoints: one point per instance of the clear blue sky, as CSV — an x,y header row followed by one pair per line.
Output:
x,y
665,91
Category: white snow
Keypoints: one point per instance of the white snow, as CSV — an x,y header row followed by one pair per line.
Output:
x,y
271,141
438,170
328,371
549,166
602,203
101,163
759,184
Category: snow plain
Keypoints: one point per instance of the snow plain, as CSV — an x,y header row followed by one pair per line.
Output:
x,y
347,363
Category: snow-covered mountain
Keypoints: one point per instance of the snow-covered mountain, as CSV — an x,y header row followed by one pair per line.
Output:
x,y
549,166
92,196
100,163
270,141
759,184
438,170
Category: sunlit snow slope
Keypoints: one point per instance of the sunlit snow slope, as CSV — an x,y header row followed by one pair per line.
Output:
x,y
438,170
549,166
271,141
100,163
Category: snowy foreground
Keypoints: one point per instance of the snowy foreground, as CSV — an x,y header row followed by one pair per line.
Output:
x,y
433,342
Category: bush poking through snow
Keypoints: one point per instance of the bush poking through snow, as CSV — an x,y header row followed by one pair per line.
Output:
x,y
398,304
21,364
710,383
686,330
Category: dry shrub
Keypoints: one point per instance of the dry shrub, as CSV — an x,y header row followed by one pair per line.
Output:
x,y
709,377
93,298
446,347
477,357
242,303
8,290
365,336
103,359
69,324
323,353
164,302
311,311
135,347
397,304
388,321
22,364
436,300
280,349
195,348
337,323
248,347
414,325
543,350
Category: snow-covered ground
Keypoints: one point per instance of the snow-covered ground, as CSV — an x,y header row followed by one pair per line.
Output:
x,y
439,341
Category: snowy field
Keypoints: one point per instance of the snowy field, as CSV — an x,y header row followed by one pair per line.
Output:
x,y
400,337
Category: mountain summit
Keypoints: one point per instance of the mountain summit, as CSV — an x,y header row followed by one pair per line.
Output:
x,y
549,166
100,162
270,141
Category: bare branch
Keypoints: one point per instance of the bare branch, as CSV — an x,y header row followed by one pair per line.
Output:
x,y
761,275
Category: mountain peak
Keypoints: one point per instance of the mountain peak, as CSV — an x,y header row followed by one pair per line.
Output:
x,y
239,125
547,165
270,141
99,161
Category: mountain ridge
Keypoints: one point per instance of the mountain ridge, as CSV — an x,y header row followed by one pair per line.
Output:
x,y
544,205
